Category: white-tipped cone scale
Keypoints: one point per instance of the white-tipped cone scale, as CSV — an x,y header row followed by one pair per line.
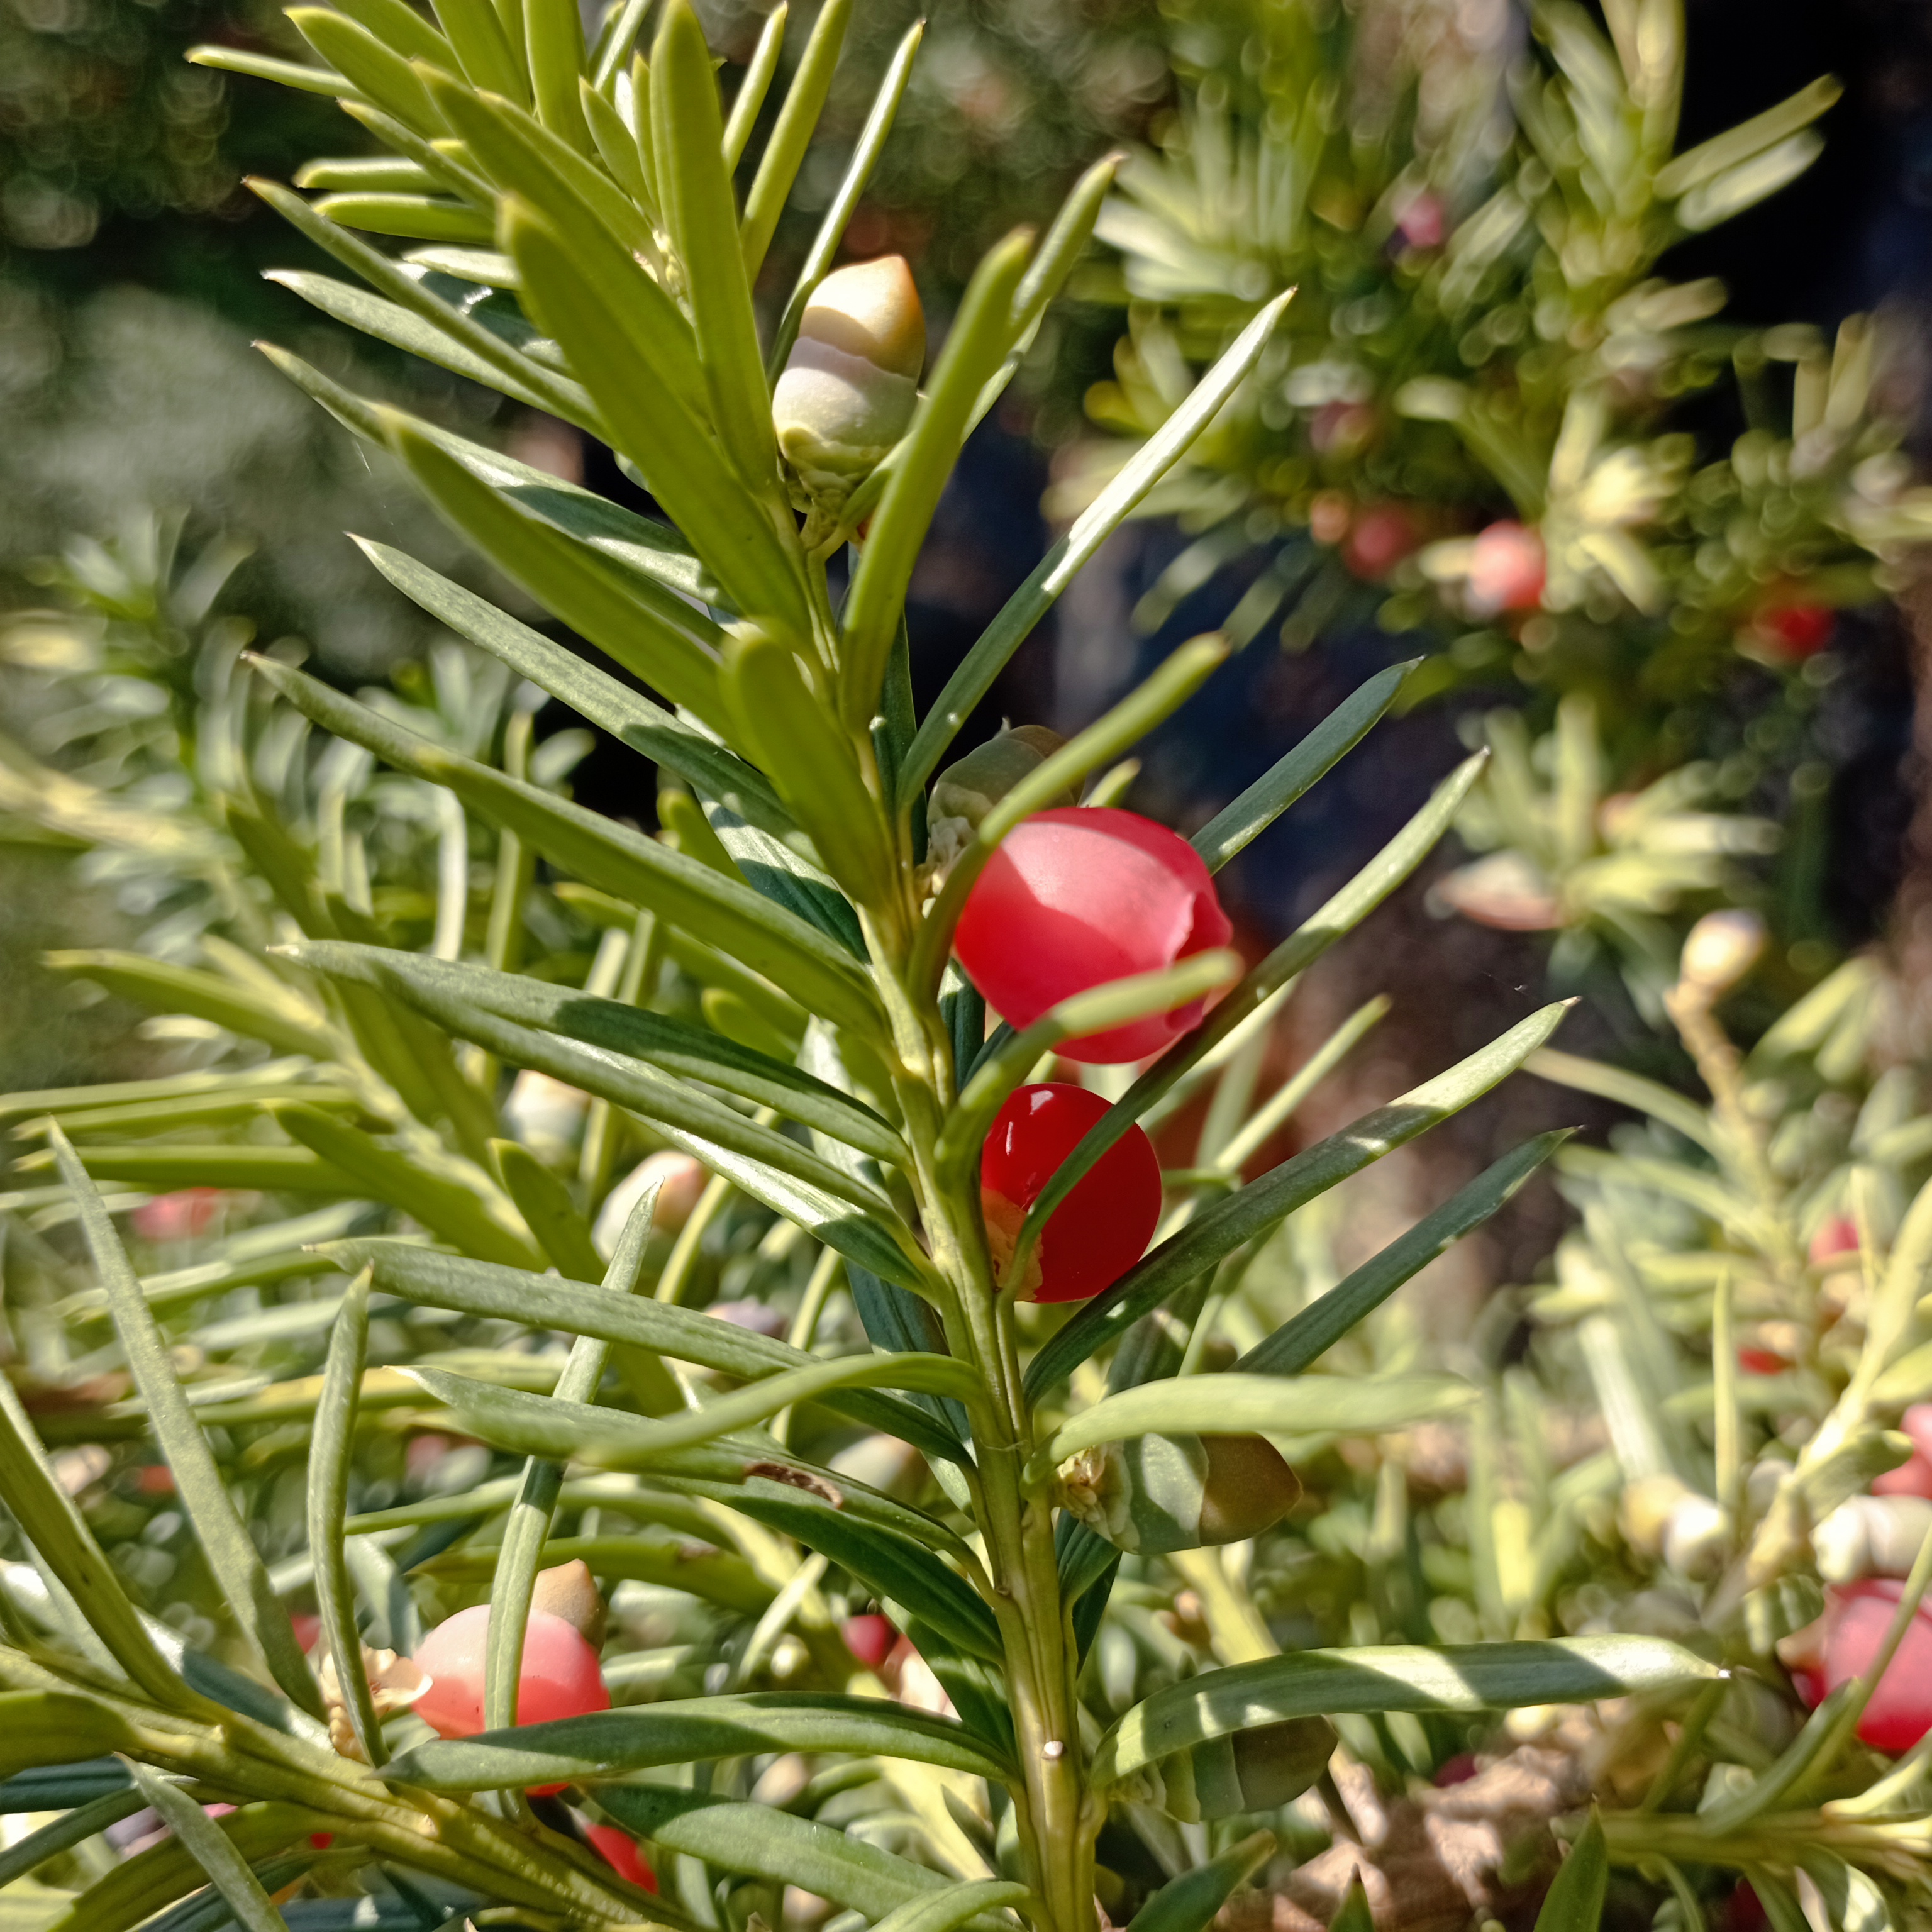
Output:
x,y
847,390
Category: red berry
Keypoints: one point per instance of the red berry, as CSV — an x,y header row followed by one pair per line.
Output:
x,y
559,1677
180,1217
1798,630
620,1852
1080,895
1102,1228
1381,536
1762,1362
1743,1911
1838,1236
870,1639
1506,569
1856,1615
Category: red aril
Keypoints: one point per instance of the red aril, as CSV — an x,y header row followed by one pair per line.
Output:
x,y
1506,569
559,1676
1079,896
1837,1236
1102,1228
1798,630
1856,1617
870,1639
620,1852
1379,539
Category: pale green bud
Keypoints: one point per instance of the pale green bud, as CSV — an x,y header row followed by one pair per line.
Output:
x,y
1159,1493
971,787
847,392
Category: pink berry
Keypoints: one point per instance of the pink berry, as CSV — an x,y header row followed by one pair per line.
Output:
x,y
1381,536
1506,569
1838,1236
1102,1228
182,1216
1856,1615
560,1678
620,1852
870,1639
1424,222
1080,895
1913,1477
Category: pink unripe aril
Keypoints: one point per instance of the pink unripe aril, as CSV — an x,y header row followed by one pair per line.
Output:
x,y
1913,1477
1380,537
1079,896
1102,1228
1856,1619
559,1676
1506,569
870,1639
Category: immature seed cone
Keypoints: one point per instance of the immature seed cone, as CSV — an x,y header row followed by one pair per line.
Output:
x,y
1721,948
971,787
1159,1493
1246,1771
847,393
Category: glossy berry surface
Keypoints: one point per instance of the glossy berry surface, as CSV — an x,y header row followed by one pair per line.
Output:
x,y
559,1677
1102,1228
1506,569
1079,896
1856,1617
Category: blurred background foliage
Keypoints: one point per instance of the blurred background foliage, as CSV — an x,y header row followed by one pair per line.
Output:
x,y
1537,293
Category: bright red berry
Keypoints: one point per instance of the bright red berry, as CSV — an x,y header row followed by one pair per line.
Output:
x,y
1080,895
620,1852
1798,630
1102,1228
559,1677
870,1639
1856,1617
1506,569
